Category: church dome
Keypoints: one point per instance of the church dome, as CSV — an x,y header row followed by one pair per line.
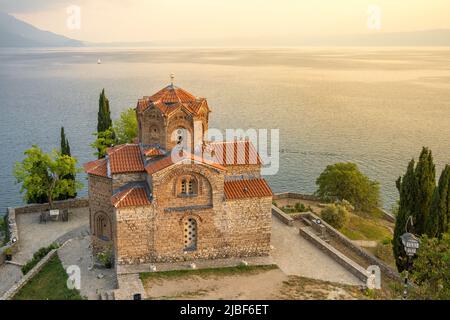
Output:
x,y
172,94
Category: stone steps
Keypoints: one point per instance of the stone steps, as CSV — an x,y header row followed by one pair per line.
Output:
x,y
106,295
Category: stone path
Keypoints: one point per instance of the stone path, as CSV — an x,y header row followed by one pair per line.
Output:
x,y
296,256
94,281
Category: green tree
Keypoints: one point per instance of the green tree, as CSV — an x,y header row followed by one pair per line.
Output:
x,y
105,139
104,121
41,175
335,215
431,271
65,147
439,217
426,183
407,188
126,127
344,181
65,150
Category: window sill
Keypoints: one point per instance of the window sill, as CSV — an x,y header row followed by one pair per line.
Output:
x,y
185,195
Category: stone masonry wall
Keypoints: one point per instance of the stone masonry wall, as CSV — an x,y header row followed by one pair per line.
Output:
x,y
122,179
100,191
243,171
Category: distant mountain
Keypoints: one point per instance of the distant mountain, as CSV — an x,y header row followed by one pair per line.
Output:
x,y
16,33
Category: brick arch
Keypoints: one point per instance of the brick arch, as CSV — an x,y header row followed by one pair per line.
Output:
x,y
102,226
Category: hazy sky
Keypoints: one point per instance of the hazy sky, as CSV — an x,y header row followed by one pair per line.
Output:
x,y
156,20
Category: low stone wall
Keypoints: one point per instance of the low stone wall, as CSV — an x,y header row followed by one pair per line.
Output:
x,y
295,195
388,216
337,256
285,218
61,205
332,232
13,235
24,280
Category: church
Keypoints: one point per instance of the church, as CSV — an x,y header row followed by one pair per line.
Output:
x,y
175,196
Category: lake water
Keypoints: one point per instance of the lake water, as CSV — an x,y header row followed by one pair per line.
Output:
x,y
376,107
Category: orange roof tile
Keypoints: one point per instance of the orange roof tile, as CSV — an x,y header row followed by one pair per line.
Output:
x,y
172,98
168,161
235,153
131,197
241,189
125,158
152,152
97,168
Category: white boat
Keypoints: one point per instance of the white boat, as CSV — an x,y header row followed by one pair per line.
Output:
x,y
99,61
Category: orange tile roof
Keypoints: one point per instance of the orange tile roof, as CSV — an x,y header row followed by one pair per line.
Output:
x,y
168,161
97,168
152,152
131,197
170,99
125,158
235,153
241,189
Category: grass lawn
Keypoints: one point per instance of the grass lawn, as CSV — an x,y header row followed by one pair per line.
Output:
x,y
366,228
225,271
49,284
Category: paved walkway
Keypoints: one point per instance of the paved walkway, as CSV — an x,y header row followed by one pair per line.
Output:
x,y
77,252
294,255
34,235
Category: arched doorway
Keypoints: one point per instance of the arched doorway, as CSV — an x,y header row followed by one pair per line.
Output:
x,y
102,226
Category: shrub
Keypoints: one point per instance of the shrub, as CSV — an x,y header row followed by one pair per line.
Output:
x,y
335,215
106,258
37,256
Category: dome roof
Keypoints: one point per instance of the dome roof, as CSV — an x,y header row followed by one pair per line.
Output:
x,y
171,98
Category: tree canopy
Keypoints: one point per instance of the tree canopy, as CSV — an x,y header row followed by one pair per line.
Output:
x,y
104,140
344,181
126,127
104,121
431,272
41,175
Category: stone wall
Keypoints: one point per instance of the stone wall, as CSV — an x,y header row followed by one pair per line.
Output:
x,y
243,171
284,217
332,232
63,204
100,192
122,179
13,235
295,195
26,278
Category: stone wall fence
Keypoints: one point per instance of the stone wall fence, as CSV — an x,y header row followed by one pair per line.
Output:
x,y
8,295
13,232
332,232
295,195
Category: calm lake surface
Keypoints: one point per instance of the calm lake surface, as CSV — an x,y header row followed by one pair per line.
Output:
x,y
376,107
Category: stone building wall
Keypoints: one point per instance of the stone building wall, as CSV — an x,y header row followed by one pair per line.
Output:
x,y
250,171
134,235
100,192
121,179
152,127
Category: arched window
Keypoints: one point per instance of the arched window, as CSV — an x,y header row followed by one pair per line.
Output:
x,y
189,186
102,226
190,234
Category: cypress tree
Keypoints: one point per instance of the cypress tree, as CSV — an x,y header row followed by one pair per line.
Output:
x,y
104,114
65,147
439,216
407,188
426,183
65,150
